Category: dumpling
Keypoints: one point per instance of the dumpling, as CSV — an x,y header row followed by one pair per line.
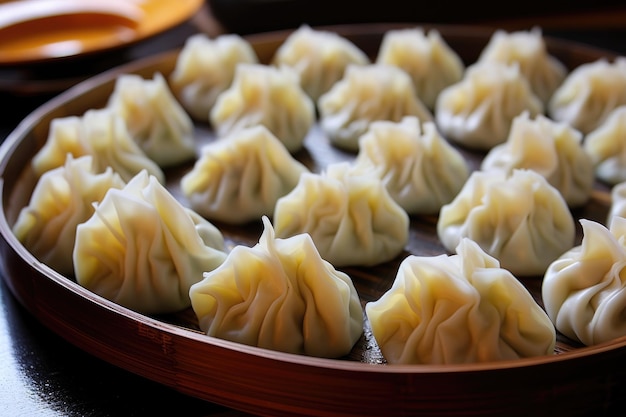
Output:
x,y
239,178
62,199
266,95
618,202
528,49
155,119
420,169
589,94
205,67
101,133
143,250
583,291
477,112
606,146
426,57
367,93
280,295
457,309
549,148
350,216
518,218
320,57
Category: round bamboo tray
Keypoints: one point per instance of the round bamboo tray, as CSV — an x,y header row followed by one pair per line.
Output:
x,y
171,350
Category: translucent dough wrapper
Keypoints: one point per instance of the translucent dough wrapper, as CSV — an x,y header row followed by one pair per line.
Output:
x,y
280,295
519,219
607,147
205,67
239,178
419,168
62,199
589,94
583,291
268,96
143,250
365,94
155,119
319,57
477,112
458,309
101,133
426,57
528,49
350,216
551,149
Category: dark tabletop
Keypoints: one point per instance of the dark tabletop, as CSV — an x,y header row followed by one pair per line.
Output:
x,y
43,375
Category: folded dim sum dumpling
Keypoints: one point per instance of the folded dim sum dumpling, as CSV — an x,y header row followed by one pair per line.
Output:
x,y
589,94
552,149
205,67
462,308
351,216
280,295
143,250
528,49
583,291
367,93
101,133
320,57
155,119
419,168
239,178
607,147
62,199
477,112
266,95
518,218
426,57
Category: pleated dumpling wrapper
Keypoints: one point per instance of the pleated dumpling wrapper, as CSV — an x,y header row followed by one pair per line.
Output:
x,y
606,146
239,178
584,291
155,119
518,218
477,112
365,94
280,295
101,133
62,199
350,216
552,149
319,57
589,94
462,308
528,49
143,250
205,67
426,57
419,168
269,96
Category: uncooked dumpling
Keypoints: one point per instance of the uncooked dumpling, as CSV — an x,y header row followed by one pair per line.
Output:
x,y
280,295
518,218
143,250
584,290
462,308
350,216
419,168
239,178
205,67
62,199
